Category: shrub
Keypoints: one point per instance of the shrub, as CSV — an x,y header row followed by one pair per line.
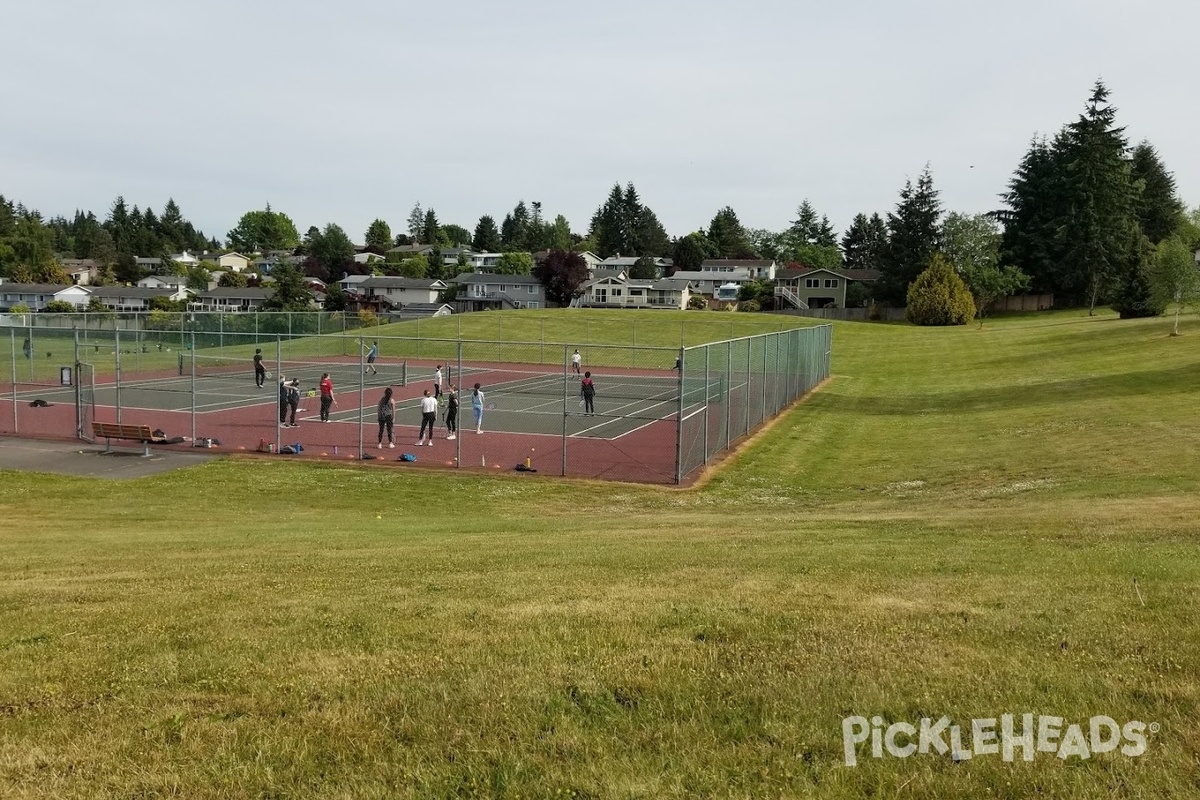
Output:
x,y
939,297
749,305
698,302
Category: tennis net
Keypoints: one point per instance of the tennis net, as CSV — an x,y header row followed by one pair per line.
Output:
x,y
628,387
344,373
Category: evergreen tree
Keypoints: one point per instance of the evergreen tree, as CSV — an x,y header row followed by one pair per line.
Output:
x,y
938,296
728,236
379,237
291,290
1157,205
1038,206
690,251
559,234
1098,240
1133,281
854,243
416,222
914,236
430,229
608,227
456,235
487,237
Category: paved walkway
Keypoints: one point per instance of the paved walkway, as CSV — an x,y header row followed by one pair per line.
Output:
x,y
89,460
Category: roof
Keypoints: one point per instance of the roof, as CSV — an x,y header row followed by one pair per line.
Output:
x,y
412,248
494,277
425,307
215,256
400,282
736,262
249,292
848,274
32,288
700,275
144,292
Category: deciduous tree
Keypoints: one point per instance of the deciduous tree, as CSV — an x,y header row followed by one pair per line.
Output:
x,y
562,273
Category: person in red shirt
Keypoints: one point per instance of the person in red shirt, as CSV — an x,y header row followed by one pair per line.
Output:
x,y
327,398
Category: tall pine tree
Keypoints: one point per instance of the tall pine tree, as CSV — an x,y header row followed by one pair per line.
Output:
x,y
1158,208
914,235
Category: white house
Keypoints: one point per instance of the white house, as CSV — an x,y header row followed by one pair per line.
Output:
x,y
75,295
133,298
163,282
625,264
708,282
484,262
621,292
368,258
33,295
400,291
228,299
758,269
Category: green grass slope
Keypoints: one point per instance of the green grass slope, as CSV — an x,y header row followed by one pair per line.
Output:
x,y
952,526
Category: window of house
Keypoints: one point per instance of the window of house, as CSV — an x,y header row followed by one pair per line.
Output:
x,y
531,288
831,283
812,283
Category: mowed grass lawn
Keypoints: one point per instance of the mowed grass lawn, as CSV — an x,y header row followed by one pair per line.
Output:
x,y
952,526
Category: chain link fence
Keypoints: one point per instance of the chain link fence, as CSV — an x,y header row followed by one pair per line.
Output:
x,y
657,414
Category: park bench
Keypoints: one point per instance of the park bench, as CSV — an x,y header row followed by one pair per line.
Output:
x,y
117,430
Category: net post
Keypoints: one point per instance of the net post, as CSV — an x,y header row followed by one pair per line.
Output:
x,y
403,372
458,382
679,420
193,415
12,335
78,396
278,379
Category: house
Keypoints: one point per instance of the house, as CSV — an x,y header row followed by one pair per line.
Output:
x,y
625,264
398,291
230,299
804,288
484,262
352,284
403,251
163,282
716,284
33,295
622,292
368,258
483,291
134,298
423,311
82,270
759,269
75,295
591,259
225,261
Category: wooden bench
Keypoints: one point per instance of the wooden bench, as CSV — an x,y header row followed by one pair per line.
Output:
x,y
117,430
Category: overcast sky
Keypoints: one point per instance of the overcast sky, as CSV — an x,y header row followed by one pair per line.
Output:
x,y
347,111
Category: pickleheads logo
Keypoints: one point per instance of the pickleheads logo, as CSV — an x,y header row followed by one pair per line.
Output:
x,y
989,736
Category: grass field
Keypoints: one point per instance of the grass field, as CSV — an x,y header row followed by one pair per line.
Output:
x,y
952,526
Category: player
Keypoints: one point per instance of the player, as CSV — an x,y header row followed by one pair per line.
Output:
x,y
260,371
437,382
327,398
372,354
576,361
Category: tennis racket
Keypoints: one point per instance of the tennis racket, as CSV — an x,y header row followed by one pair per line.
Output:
x,y
268,374
490,407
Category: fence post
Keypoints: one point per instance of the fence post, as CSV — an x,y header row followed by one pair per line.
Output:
x,y
763,379
78,398
749,362
362,394
12,335
117,362
566,379
458,382
728,389
707,385
679,422
278,380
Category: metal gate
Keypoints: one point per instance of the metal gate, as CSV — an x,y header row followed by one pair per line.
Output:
x,y
85,400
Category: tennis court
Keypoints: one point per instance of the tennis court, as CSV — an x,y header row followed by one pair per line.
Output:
x,y
656,424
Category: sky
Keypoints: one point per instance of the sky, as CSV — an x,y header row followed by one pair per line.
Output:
x,y
355,110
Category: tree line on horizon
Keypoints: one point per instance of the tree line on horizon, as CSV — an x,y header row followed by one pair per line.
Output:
x,y
1085,217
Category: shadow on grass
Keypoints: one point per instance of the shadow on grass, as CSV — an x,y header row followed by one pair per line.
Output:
x,y
1177,380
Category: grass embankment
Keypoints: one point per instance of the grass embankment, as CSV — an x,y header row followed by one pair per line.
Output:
x,y
952,526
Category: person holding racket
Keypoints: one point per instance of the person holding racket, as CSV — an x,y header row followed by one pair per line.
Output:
x,y
327,398
477,406
587,390
260,371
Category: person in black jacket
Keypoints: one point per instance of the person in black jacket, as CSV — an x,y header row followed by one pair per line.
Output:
x,y
587,390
